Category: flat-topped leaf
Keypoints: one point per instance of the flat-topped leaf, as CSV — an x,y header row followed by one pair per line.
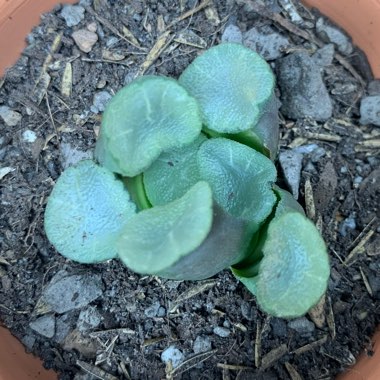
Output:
x,y
86,212
294,271
157,238
241,178
147,117
173,173
232,84
287,203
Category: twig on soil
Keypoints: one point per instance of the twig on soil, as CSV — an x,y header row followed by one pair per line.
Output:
x,y
234,367
95,371
108,25
189,13
322,136
309,200
272,356
123,63
310,346
359,248
294,375
366,283
331,319
258,345
52,120
263,11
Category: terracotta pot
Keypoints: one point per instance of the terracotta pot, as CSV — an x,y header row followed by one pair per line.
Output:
x,y
361,18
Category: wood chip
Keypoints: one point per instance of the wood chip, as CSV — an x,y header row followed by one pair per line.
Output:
x,y
294,375
359,248
212,15
317,313
95,371
234,367
322,136
150,342
129,35
371,144
155,52
298,141
310,346
112,56
366,283
67,81
258,345
3,261
190,363
53,48
188,37
330,319
190,13
272,356
160,24
41,87
309,200
6,170
111,332
192,292
241,327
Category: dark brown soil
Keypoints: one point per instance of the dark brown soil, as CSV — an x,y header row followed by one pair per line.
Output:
x,y
258,346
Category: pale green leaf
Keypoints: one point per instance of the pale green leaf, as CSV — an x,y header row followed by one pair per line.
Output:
x,y
294,271
157,238
86,212
241,178
149,116
173,173
233,86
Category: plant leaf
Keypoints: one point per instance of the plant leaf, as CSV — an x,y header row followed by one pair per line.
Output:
x,y
232,84
86,213
287,203
149,116
241,178
294,271
156,238
173,173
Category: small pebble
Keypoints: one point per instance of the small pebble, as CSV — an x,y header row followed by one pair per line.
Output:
x,y
347,224
202,343
174,355
302,325
11,118
92,27
370,110
222,332
232,33
71,156
73,14
374,87
152,310
29,136
100,101
44,325
89,319
291,164
324,57
85,39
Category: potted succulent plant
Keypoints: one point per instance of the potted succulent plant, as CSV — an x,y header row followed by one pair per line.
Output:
x,y
194,207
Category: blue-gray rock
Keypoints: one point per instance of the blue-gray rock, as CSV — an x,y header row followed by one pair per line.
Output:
x,y
291,164
232,33
370,110
72,292
71,156
89,319
332,34
11,118
374,87
44,325
100,101
317,154
173,355
302,325
152,310
324,56
28,341
221,331
265,41
279,327
303,93
201,344
72,14
63,326
348,224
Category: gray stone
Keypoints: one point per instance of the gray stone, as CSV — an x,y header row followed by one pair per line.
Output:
x,y
265,41
221,331
63,326
317,154
112,41
152,310
72,292
232,33
84,39
332,34
291,164
302,325
348,224
71,156
89,319
11,118
161,312
374,87
100,101
279,327
72,14
85,3
173,355
44,325
306,149
303,92
370,110
28,341
201,344
247,311
29,136
324,56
